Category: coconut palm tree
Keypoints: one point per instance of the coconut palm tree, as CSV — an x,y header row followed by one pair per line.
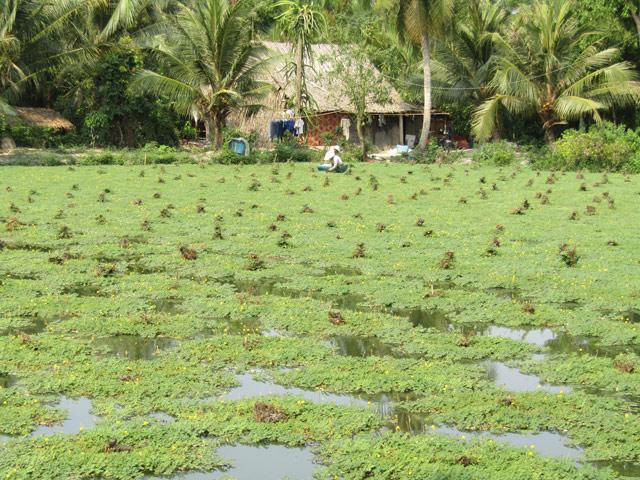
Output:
x,y
208,62
420,20
553,67
302,22
464,61
12,75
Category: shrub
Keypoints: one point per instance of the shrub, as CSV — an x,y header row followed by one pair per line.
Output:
x,y
188,131
293,153
431,154
495,153
603,147
227,157
105,158
633,166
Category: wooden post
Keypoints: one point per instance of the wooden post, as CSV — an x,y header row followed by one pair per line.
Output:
x,y
401,122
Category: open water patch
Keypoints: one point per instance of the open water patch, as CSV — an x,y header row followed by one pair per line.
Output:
x,y
252,388
383,404
264,286
546,444
168,306
506,293
83,290
567,344
515,381
632,315
355,346
133,347
79,418
539,337
162,417
277,287
36,325
7,380
428,319
269,462
624,469
244,326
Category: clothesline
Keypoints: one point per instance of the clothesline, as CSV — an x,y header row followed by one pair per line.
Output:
x,y
390,114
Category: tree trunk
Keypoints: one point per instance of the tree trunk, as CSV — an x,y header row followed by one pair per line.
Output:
x,y
207,129
636,20
217,125
363,141
426,64
549,134
299,68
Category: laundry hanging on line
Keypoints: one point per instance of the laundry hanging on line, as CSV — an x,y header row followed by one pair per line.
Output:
x,y
278,128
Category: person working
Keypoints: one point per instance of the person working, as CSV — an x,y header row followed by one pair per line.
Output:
x,y
333,162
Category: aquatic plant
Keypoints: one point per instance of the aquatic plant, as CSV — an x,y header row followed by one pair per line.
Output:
x,y
254,262
335,317
569,255
64,232
267,413
283,241
447,260
188,253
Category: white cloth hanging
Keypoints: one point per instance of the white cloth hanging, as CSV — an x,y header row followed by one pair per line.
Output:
x,y
299,127
345,125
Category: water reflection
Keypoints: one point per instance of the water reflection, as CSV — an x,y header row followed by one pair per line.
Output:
x,y
79,418
244,326
428,319
547,444
567,344
539,337
83,290
133,347
162,417
271,462
354,346
7,380
624,469
515,381
632,315
36,325
251,388
169,306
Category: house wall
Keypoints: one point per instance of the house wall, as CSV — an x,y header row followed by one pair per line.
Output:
x,y
384,131
316,126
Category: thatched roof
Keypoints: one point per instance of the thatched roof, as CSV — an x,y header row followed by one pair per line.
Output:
x,y
44,117
317,84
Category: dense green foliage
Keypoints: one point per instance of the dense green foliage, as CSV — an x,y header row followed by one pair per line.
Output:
x,y
607,147
202,59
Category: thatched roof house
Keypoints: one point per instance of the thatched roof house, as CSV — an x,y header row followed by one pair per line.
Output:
x,y
43,118
395,122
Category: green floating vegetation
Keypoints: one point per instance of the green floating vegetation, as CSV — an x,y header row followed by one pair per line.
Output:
x,y
153,303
